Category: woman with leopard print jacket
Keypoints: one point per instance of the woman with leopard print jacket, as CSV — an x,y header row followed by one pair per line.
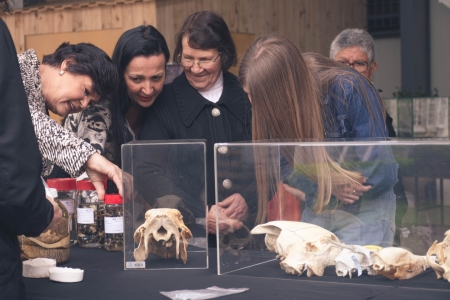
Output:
x,y
66,82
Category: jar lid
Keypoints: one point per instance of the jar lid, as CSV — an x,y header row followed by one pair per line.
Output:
x,y
113,199
85,185
62,184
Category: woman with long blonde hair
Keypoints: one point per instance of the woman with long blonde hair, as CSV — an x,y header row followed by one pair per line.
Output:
x,y
293,101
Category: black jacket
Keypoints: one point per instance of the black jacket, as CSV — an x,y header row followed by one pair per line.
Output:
x,y
23,206
181,112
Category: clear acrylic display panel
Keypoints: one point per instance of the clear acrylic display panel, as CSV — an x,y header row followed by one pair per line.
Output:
x,y
419,117
421,218
158,169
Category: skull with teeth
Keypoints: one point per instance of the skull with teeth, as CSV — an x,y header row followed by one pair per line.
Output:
x,y
353,258
163,234
398,263
300,246
441,265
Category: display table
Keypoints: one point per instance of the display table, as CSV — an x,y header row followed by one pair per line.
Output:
x,y
105,278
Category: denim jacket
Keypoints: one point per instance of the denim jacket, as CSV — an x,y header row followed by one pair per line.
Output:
x,y
347,118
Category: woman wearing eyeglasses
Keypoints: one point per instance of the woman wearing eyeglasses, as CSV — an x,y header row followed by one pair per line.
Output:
x,y
204,102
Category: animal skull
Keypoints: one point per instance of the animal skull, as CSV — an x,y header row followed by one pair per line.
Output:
x,y
398,263
353,258
300,246
163,234
442,263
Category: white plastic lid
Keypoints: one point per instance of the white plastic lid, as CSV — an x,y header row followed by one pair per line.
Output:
x,y
53,192
66,274
38,267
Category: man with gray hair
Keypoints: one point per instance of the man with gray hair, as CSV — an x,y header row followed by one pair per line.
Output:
x,y
355,48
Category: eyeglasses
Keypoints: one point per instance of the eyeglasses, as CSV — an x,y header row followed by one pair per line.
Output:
x,y
188,63
360,66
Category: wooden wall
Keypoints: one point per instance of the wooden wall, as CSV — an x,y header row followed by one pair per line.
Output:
x,y
310,24
82,17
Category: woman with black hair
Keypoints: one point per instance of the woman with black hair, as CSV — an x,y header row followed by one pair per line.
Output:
x,y
67,81
140,55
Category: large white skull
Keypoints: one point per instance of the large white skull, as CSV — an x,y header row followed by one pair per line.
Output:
x,y
163,234
398,263
300,246
441,265
354,258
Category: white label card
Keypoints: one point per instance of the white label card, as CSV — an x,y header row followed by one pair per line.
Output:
x,y
69,204
85,215
135,264
113,224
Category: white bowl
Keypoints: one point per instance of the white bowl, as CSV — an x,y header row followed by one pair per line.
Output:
x,y
66,274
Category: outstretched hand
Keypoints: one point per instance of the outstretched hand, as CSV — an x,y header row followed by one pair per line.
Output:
x,y
99,169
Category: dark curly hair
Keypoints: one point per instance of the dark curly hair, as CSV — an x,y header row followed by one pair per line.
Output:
x,y
87,59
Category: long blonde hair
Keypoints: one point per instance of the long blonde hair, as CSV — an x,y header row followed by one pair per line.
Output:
x,y
287,104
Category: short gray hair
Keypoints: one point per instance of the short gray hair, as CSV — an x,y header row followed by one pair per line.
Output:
x,y
351,38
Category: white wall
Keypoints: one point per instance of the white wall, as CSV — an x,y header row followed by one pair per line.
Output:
x,y
440,46
388,77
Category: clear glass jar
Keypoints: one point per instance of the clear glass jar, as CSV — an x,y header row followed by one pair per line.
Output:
x,y
67,190
90,216
113,222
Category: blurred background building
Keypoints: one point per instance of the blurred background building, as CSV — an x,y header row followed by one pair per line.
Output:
x,y
411,36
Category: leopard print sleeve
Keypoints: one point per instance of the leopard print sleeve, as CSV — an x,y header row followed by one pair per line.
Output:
x,y
93,125
56,144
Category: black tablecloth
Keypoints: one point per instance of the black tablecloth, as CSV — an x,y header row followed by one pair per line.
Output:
x,y
105,278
